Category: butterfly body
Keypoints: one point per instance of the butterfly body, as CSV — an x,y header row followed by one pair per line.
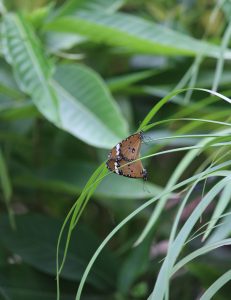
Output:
x,y
123,159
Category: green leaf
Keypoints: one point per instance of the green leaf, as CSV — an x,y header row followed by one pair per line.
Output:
x,y
123,81
220,208
201,251
176,247
131,216
4,179
8,86
73,178
21,282
216,286
87,109
129,272
58,41
18,110
93,5
136,34
222,231
35,242
23,52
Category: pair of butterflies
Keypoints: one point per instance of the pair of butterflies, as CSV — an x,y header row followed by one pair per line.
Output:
x,y
121,158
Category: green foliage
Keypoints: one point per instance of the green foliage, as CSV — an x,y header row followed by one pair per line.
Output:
x,y
76,78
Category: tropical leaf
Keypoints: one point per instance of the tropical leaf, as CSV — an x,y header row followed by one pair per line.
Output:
x,y
21,282
87,109
72,6
22,50
77,100
72,181
32,240
134,33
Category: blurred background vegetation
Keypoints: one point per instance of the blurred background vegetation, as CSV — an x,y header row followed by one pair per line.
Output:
x,y
78,76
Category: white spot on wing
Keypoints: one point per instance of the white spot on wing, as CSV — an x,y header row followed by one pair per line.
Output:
x,y
118,149
116,167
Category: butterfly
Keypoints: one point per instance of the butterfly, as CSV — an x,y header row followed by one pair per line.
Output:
x,y
121,157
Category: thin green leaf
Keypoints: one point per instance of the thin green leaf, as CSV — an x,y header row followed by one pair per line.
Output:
x,y
120,82
137,211
163,101
6,188
201,251
216,286
162,281
132,32
222,231
220,62
5,179
223,201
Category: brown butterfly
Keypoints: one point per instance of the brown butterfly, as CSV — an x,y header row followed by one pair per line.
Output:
x,y
128,149
121,158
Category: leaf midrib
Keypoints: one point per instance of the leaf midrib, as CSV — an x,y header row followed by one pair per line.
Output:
x,y
79,105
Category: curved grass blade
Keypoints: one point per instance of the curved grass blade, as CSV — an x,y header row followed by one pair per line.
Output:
x,y
181,167
162,281
134,213
163,101
201,251
74,215
223,202
216,286
220,61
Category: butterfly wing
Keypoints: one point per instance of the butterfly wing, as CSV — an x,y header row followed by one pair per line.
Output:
x,y
129,148
128,169
115,152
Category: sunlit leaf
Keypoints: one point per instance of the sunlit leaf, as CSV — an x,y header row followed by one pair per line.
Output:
x,y
87,109
134,33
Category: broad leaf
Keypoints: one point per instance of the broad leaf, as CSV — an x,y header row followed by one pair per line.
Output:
x,y
73,178
87,109
22,50
35,242
77,100
93,5
21,282
136,34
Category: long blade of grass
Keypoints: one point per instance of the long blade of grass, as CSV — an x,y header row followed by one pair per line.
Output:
x,y
201,251
137,211
222,232
181,167
163,101
6,188
162,281
215,287
220,61
223,201
74,215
